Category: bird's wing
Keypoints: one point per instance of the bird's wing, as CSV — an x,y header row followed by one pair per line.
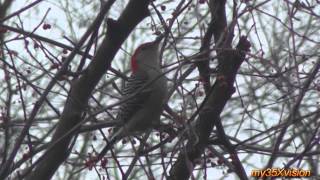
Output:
x,y
135,93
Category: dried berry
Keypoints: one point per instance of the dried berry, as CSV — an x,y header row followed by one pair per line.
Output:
x,y
163,7
46,26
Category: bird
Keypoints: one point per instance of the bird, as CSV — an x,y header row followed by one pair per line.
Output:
x,y
143,96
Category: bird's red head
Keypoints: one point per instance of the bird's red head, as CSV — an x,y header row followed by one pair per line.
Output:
x,y
134,61
144,47
147,49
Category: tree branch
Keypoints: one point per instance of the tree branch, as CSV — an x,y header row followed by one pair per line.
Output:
x,y
219,94
82,88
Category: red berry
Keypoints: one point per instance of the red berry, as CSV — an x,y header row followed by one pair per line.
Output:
x,y
54,66
88,164
200,93
163,7
104,162
210,154
157,33
36,45
13,53
64,51
3,30
110,130
46,26
62,78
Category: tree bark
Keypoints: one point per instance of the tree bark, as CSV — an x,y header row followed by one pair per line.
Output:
x,y
82,88
217,98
